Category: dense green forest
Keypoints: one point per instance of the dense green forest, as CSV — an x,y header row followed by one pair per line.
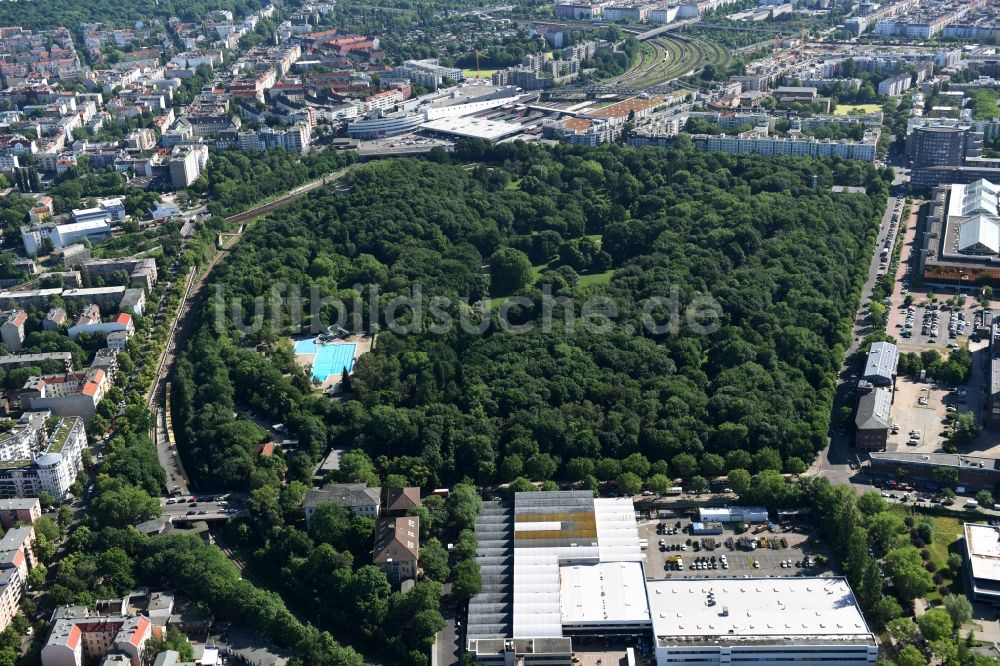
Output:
x,y
235,179
433,408
784,262
48,14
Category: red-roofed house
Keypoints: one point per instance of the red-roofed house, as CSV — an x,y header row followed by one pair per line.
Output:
x,y
263,450
12,329
397,547
66,394
79,637
14,567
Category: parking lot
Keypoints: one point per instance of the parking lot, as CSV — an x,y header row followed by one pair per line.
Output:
x,y
925,421
792,547
923,325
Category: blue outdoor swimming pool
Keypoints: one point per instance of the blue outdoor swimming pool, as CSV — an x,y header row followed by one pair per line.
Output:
x,y
330,359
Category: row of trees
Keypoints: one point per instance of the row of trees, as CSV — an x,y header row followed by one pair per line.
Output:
x,y
57,13
236,179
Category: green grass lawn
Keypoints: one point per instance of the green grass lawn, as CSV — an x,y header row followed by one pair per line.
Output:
x,y
586,280
483,73
947,532
596,278
844,109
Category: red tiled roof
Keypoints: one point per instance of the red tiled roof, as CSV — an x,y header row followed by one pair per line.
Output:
x,y
140,629
90,388
124,318
576,124
74,637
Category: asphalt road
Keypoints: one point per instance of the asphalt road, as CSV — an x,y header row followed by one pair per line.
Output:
x,y
834,462
446,647
204,509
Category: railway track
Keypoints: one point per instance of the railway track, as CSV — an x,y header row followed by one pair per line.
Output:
x,y
665,59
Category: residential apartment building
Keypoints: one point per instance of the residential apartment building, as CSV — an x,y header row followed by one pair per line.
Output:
x,y
12,329
627,13
397,547
107,360
428,73
11,361
796,147
141,272
184,167
359,498
66,394
23,510
79,637
122,323
54,319
16,560
578,11
895,86
36,457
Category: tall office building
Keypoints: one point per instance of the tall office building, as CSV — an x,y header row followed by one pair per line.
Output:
x,y
936,146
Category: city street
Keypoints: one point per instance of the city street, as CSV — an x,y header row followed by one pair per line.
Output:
x,y
835,462
230,505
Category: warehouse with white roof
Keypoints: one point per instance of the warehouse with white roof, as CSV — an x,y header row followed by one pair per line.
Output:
x,y
798,621
564,568
555,530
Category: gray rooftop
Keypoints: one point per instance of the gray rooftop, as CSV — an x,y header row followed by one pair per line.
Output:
x,y
18,503
881,363
345,494
491,611
956,460
873,410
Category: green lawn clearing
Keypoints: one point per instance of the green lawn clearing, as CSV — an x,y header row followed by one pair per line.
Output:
x,y
846,109
483,73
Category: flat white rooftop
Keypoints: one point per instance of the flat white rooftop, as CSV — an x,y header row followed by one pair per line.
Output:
x,y
602,594
83,227
95,291
556,529
475,128
745,610
983,544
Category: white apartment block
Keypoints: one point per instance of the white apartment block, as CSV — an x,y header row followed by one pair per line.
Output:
x,y
895,86
34,236
34,457
793,147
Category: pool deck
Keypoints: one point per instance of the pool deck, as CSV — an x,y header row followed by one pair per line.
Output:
x,y
362,345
